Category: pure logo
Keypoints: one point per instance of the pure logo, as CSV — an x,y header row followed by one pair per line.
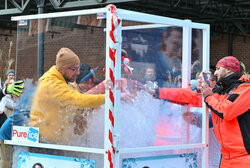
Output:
x,y
33,134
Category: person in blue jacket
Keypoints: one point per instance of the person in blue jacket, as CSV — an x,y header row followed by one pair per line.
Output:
x,y
20,118
16,89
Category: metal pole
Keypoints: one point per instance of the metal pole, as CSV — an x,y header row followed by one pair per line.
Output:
x,y
40,49
230,44
205,112
186,67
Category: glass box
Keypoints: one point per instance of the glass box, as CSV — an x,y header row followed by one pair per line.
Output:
x,y
137,55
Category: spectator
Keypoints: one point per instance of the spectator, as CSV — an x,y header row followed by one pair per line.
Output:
x,y
10,74
55,102
196,117
193,84
37,165
14,88
171,43
88,83
229,103
169,57
20,117
8,102
150,78
126,69
150,74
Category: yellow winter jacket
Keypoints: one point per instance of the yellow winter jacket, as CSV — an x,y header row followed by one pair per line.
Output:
x,y
54,105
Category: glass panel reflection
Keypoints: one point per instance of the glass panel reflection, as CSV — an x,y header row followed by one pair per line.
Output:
x,y
60,118
154,63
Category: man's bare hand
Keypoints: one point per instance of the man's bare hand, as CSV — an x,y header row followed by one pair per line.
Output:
x,y
206,90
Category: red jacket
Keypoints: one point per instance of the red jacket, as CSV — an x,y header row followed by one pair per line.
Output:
x,y
183,96
230,106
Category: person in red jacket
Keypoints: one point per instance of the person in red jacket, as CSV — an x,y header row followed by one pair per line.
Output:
x,y
229,103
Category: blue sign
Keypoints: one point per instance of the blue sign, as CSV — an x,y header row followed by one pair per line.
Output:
x,y
28,160
188,160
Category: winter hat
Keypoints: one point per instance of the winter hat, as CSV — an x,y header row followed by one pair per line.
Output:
x,y
10,71
84,70
229,62
194,83
66,58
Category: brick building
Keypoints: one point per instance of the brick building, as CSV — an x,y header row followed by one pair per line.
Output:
x,y
85,36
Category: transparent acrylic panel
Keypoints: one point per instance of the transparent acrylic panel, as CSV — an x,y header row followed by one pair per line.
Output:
x,y
165,159
155,64
194,115
197,49
64,116
158,48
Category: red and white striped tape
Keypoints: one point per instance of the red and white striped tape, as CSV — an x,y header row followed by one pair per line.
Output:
x,y
115,21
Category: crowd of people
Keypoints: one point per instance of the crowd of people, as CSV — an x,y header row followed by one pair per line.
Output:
x,y
59,103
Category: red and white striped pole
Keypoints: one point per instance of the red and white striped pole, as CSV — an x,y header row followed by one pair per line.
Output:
x,y
113,42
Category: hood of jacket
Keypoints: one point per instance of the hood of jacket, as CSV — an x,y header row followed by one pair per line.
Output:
x,y
228,83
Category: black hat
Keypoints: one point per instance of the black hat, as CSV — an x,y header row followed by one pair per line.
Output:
x,y
84,70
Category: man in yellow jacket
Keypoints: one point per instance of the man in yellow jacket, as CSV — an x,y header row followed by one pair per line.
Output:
x,y
55,102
